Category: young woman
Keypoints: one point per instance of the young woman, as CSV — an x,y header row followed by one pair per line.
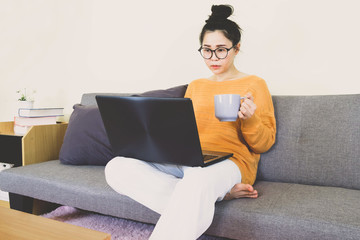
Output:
x,y
185,196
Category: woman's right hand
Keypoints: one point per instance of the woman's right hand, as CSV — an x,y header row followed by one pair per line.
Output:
x,y
247,108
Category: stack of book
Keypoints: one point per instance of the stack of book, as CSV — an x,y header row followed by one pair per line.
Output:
x,y
28,117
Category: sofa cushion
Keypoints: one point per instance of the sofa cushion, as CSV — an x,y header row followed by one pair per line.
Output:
x,y
282,211
83,186
317,141
178,91
86,141
290,211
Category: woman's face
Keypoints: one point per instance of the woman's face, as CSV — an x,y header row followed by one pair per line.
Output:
x,y
214,40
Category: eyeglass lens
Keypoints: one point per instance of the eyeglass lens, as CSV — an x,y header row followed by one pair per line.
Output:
x,y
220,53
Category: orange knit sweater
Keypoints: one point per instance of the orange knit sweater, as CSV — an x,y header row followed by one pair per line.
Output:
x,y
245,138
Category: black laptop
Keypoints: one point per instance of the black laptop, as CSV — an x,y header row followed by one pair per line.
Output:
x,y
160,130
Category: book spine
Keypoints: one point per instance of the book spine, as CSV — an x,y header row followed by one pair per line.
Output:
x,y
27,121
40,112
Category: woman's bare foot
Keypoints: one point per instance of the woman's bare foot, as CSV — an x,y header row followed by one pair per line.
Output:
x,y
241,190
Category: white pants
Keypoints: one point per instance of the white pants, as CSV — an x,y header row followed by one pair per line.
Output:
x,y
184,196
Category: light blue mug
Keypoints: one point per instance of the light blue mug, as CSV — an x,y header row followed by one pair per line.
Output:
x,y
227,107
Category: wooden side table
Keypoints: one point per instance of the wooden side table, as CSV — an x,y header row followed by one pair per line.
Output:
x,y
41,143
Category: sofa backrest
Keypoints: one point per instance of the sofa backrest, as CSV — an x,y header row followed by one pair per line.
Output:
x,y
317,142
89,98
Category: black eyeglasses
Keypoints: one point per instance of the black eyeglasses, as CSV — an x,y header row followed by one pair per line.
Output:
x,y
220,52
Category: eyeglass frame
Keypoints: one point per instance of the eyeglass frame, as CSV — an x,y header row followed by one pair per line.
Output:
x,y
214,52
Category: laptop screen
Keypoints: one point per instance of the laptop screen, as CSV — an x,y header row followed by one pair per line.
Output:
x,y
159,130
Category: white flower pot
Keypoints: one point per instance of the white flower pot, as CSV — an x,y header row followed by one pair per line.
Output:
x,y
25,104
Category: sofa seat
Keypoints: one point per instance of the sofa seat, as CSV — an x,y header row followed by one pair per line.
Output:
x,y
282,209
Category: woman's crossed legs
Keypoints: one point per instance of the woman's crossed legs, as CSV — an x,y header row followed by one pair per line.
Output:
x,y
184,196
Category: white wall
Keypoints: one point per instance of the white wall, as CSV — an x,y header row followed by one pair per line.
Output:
x,y
63,48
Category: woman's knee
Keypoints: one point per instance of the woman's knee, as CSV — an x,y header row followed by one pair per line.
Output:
x,y
111,166
117,170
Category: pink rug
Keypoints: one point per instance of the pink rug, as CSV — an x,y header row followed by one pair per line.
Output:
x,y
117,227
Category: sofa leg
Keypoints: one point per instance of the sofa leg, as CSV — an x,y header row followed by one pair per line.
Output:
x,y
21,203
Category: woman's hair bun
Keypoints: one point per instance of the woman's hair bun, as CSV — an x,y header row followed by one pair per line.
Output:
x,y
218,20
220,12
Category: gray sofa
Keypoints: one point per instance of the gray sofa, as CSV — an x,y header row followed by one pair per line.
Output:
x,y
308,183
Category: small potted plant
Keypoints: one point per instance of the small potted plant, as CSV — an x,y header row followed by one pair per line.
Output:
x,y
26,99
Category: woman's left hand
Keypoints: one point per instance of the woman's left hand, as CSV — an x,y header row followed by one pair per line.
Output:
x,y
247,108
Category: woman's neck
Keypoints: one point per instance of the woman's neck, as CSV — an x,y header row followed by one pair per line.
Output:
x,y
231,74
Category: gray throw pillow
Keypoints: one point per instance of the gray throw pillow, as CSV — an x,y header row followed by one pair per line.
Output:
x,y
174,92
86,141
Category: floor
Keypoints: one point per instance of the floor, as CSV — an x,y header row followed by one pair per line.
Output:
x,y
4,204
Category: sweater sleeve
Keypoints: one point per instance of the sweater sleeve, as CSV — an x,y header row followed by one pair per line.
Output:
x,y
188,93
259,131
